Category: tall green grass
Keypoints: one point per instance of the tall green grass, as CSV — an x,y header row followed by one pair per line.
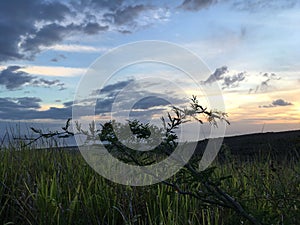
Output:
x,y
58,187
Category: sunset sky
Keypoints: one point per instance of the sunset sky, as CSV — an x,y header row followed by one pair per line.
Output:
x,y
251,48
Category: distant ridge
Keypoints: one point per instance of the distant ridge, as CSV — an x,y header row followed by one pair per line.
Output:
x,y
247,144
279,143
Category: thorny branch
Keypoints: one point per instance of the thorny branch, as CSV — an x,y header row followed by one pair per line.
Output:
x,y
66,133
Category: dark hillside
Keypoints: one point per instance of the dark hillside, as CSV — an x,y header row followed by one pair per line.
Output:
x,y
274,143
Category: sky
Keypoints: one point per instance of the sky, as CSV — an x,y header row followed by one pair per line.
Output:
x,y
250,47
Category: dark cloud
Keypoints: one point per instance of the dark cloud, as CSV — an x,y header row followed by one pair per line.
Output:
x,y
111,90
53,33
27,108
107,95
53,113
129,18
195,5
94,28
281,102
47,36
46,82
217,75
116,86
149,102
126,15
234,80
49,83
29,102
68,104
14,79
104,105
12,26
24,103
275,103
29,26
53,11
17,21
229,81
104,98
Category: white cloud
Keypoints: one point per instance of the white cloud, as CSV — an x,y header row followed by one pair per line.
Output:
x,y
54,71
75,48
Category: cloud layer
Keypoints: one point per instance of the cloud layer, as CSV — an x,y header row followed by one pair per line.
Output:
x,y
28,108
276,103
30,26
227,81
12,78
195,5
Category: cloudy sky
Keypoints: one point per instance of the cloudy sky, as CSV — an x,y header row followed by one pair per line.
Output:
x,y
250,46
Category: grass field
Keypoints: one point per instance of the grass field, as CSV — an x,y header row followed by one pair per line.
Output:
x,y
58,187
